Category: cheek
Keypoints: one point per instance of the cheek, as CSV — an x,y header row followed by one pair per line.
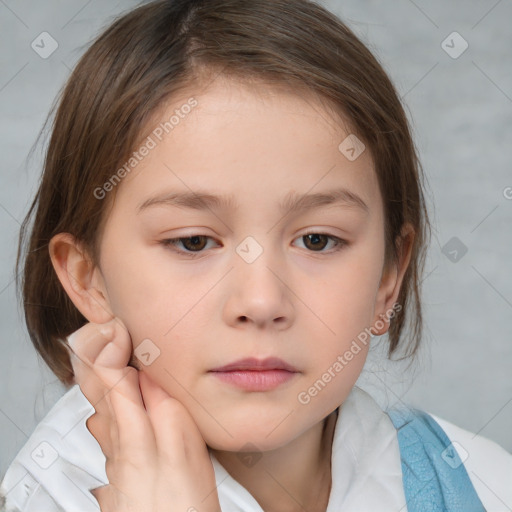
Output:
x,y
159,302
141,284
341,305
343,295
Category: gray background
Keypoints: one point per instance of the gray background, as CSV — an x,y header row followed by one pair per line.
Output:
x,y
461,111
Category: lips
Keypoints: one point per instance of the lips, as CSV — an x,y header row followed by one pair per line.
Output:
x,y
254,364
256,375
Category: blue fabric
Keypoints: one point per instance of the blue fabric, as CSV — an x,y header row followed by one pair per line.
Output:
x,y
434,477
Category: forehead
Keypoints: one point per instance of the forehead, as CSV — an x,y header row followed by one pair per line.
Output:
x,y
255,141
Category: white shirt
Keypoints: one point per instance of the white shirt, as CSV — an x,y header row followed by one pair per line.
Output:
x,y
61,461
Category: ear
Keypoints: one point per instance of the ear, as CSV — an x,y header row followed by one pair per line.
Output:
x,y
391,281
82,281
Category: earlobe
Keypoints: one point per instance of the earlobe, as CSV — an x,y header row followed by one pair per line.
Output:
x,y
79,278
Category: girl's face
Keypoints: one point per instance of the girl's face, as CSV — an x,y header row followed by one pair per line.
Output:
x,y
248,283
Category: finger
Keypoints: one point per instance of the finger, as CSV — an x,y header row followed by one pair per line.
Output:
x,y
99,355
176,432
104,431
88,341
111,364
121,419
84,346
135,439
91,384
107,344
94,348
124,432
152,393
105,349
117,353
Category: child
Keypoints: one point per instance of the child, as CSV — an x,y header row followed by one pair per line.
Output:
x,y
222,377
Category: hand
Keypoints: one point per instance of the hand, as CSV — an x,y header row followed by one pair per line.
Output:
x,y
156,458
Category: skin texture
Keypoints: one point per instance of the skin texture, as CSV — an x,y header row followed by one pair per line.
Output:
x,y
298,300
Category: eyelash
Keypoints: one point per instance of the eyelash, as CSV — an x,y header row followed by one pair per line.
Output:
x,y
171,243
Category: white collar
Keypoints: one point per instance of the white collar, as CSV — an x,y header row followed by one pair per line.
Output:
x,y
365,464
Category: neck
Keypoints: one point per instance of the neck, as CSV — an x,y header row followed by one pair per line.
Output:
x,y
295,477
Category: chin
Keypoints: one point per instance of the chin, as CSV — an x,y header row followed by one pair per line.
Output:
x,y
247,443
251,435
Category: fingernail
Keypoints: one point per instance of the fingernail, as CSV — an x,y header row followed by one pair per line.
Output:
x,y
107,330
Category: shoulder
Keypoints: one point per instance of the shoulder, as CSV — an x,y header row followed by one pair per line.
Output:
x,y
60,462
489,466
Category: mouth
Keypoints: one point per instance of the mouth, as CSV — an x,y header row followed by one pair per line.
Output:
x,y
253,374
254,364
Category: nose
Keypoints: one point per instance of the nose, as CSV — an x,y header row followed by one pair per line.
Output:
x,y
259,294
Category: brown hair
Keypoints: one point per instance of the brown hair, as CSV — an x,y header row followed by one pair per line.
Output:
x,y
163,47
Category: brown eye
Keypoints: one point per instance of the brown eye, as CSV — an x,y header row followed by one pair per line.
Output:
x,y
317,242
193,245
197,242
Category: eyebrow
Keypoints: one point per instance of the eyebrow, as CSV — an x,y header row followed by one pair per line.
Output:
x,y
292,203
